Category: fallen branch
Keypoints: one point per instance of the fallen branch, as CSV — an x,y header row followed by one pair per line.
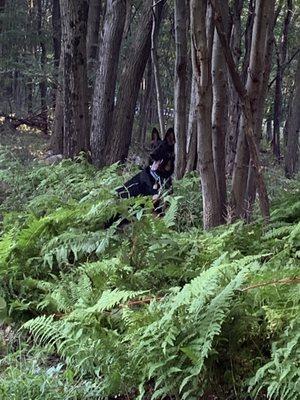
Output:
x,y
284,281
38,121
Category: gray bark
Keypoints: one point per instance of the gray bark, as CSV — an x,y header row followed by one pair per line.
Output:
x,y
293,127
202,73
253,89
155,64
118,146
92,37
192,130
106,76
75,91
180,89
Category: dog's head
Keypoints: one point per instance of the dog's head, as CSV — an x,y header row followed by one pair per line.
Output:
x,y
165,154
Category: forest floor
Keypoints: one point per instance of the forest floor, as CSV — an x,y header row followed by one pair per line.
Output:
x,y
149,308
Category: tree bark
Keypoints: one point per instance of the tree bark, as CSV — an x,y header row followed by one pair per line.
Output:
x,y
75,91
244,95
202,73
253,87
180,89
106,77
155,64
56,32
43,60
145,106
234,103
293,127
281,59
57,137
220,112
192,155
118,146
93,28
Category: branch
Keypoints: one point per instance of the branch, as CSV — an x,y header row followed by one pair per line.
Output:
x,y
284,281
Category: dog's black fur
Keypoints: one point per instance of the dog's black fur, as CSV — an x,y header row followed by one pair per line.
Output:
x,y
146,183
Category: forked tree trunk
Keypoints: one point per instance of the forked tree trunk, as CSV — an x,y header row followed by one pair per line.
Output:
x,y
293,127
75,99
106,77
202,73
118,146
253,87
248,111
180,90
145,107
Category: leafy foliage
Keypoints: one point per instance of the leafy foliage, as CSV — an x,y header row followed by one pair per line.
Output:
x,y
151,309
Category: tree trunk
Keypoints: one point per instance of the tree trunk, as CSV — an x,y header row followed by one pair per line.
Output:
x,y
75,99
202,73
118,146
93,28
2,9
220,113
245,101
43,60
180,89
154,58
145,107
234,103
281,59
106,77
192,155
253,87
57,137
56,32
293,127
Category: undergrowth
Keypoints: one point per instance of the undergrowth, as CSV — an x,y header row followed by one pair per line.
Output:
x,y
151,310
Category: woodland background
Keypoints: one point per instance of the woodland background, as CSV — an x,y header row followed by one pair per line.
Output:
x,y
202,303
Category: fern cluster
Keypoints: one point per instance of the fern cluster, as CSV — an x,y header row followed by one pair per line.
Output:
x,y
157,308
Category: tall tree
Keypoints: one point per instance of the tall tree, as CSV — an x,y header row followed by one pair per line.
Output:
x,y
281,51
249,111
43,60
220,111
253,89
155,64
180,89
75,99
118,146
202,72
293,128
106,77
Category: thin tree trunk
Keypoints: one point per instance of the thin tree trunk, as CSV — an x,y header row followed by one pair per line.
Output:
x,y
246,104
106,77
75,91
192,155
293,127
145,107
220,112
234,104
253,87
180,89
154,58
43,60
57,137
202,73
281,59
118,146
56,32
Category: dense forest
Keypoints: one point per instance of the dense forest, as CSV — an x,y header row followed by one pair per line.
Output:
x,y
149,199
